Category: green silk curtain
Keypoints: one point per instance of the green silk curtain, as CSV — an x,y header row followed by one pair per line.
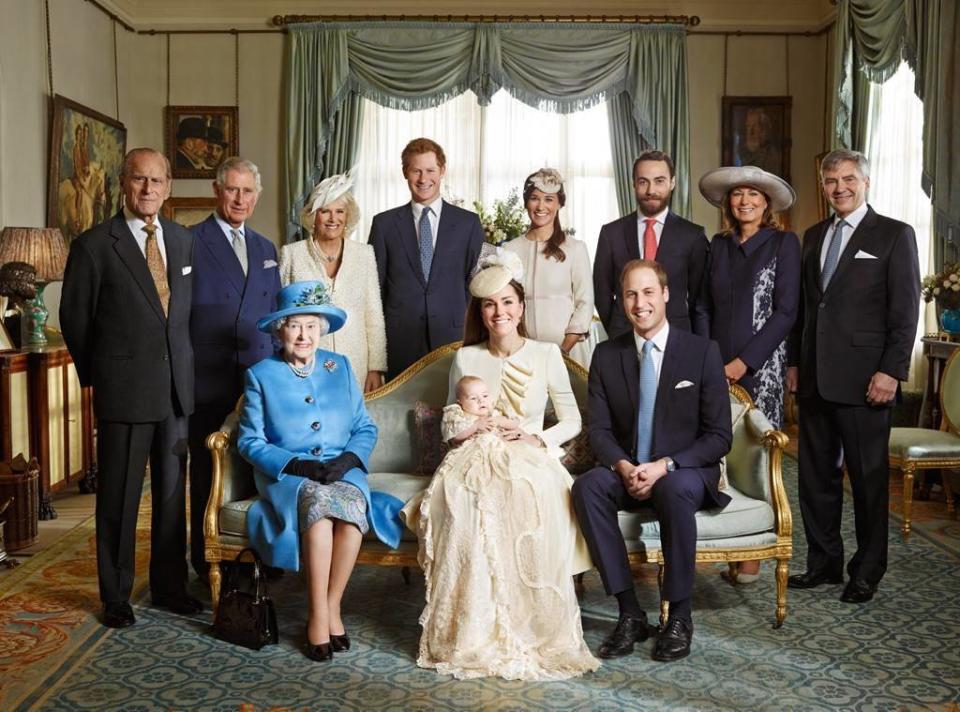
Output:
x,y
562,68
872,38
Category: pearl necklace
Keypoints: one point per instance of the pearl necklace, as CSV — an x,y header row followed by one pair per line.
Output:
x,y
303,371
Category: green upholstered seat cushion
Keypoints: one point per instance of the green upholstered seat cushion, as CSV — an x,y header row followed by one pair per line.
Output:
x,y
921,444
742,517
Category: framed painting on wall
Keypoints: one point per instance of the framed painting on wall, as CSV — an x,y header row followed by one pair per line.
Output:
x,y
756,132
198,138
83,177
188,211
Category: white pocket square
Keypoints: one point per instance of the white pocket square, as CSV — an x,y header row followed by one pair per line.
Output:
x,y
187,270
267,264
861,255
683,384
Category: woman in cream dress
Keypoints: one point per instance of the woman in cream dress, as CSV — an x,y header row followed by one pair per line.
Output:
x,y
558,282
499,545
349,271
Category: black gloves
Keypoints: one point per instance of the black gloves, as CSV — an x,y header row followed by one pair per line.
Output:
x,y
324,472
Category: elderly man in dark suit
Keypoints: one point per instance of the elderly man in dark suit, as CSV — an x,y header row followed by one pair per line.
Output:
x,y
235,282
125,314
850,349
426,251
659,422
654,232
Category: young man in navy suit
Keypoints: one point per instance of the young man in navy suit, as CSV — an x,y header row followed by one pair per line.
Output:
x,y
426,251
851,347
235,282
659,422
653,232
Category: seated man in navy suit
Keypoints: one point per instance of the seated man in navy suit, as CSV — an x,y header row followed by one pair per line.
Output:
x,y
426,252
235,282
659,422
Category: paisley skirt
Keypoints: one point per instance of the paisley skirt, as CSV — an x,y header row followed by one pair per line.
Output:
x,y
339,500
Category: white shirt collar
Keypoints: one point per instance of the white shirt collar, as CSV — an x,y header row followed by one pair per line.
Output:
x,y
854,218
227,227
660,217
136,224
659,339
435,206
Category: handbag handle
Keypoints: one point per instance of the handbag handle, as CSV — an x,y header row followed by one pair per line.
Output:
x,y
259,584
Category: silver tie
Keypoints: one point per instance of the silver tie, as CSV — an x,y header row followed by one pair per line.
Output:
x,y
240,249
832,259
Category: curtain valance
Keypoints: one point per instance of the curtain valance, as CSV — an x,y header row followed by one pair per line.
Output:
x,y
562,68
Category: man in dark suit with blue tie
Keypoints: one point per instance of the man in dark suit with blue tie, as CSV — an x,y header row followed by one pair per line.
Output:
x,y
235,282
851,347
426,251
659,422
125,312
653,232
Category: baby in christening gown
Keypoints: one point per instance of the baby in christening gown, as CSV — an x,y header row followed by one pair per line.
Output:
x,y
500,599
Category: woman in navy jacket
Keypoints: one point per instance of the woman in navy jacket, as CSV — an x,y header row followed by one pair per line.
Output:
x,y
751,292
306,431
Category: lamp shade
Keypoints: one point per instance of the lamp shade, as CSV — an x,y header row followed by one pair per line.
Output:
x,y
42,247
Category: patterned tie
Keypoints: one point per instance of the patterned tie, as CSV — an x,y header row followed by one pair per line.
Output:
x,y
649,240
833,255
426,243
648,399
239,248
156,267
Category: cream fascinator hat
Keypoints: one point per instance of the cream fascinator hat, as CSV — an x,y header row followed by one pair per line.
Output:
x,y
328,191
716,183
546,180
494,272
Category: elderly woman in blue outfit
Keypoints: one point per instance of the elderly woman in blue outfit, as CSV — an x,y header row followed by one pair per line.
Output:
x,y
305,430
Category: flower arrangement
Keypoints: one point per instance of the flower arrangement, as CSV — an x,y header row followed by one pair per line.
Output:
x,y
506,219
943,287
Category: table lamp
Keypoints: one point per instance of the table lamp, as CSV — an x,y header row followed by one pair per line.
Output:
x,y
45,249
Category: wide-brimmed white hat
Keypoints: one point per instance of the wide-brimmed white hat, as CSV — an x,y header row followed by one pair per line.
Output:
x,y
716,183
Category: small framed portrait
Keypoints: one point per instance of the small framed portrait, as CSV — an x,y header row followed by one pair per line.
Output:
x,y
198,138
188,211
756,132
83,178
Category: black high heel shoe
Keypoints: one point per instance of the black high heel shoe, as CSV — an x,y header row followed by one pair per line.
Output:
x,y
322,652
340,643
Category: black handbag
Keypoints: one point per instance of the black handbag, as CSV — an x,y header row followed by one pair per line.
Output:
x,y
243,617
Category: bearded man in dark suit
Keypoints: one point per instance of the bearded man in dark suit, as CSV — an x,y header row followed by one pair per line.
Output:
x,y
851,347
125,315
656,233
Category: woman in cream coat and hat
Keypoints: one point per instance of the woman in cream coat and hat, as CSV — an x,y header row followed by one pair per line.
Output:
x,y
348,269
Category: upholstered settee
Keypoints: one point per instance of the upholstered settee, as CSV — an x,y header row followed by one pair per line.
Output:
x,y
756,525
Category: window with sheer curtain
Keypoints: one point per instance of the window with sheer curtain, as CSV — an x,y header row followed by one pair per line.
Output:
x,y
894,147
490,150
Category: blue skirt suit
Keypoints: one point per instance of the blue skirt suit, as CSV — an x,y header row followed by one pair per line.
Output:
x,y
317,417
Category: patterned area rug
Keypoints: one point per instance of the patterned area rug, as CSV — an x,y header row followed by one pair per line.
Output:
x,y
897,652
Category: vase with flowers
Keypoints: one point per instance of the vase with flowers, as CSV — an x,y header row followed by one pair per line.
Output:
x,y
944,289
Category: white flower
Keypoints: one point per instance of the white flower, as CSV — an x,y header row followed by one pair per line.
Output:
x,y
956,287
946,284
936,291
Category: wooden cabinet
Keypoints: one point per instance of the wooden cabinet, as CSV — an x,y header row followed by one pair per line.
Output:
x,y
47,415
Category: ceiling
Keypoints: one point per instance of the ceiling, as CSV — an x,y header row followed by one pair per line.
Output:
x,y
721,15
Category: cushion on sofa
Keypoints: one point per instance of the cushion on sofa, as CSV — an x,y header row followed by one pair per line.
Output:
x,y
430,447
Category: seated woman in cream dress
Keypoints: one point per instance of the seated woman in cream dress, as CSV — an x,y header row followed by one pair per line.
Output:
x,y
499,543
558,281
349,270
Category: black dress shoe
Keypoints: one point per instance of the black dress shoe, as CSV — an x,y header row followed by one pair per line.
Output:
x,y
812,579
340,643
321,653
629,630
674,641
182,603
858,591
118,615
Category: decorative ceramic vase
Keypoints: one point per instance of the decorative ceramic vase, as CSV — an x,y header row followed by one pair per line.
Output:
x,y
35,320
950,321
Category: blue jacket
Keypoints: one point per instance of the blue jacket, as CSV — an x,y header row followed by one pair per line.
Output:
x,y
226,306
317,417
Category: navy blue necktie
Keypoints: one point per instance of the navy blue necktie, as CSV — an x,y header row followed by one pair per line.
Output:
x,y
832,259
426,243
647,400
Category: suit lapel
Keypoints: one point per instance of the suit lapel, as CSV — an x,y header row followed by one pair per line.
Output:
x,y
814,259
632,235
408,238
178,257
445,245
849,253
668,368
630,365
127,249
212,237
255,258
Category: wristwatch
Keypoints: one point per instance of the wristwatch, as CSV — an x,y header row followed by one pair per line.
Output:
x,y
671,465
